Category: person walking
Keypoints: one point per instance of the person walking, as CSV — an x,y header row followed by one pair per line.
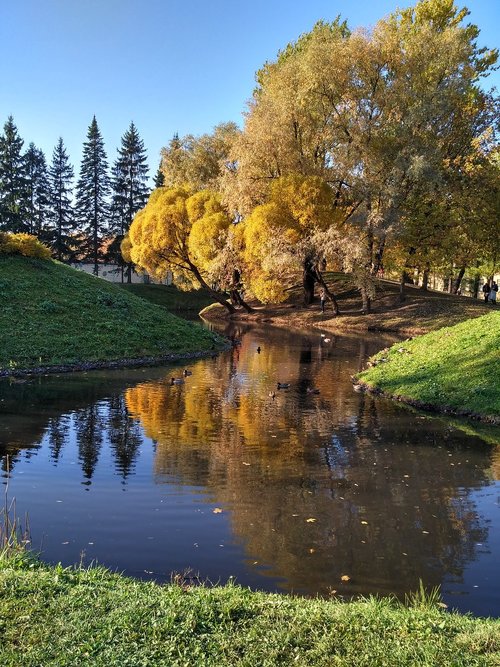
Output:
x,y
322,298
486,291
493,293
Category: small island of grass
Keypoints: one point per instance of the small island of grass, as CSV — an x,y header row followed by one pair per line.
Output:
x,y
454,369
54,316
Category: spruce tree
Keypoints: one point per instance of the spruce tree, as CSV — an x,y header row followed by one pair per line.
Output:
x,y
13,185
37,188
62,218
130,191
92,196
159,179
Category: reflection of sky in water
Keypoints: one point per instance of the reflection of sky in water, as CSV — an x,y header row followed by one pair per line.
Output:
x,y
284,494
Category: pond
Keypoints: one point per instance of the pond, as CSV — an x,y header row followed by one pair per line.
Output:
x,y
216,478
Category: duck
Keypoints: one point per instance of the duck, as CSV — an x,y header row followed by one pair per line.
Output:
x,y
258,350
283,385
176,381
186,372
312,390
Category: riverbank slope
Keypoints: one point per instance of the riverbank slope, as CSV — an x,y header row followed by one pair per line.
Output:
x,y
420,312
455,369
56,616
53,315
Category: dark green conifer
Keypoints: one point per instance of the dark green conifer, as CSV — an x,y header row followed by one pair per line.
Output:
x,y
130,190
13,181
62,218
92,192
38,192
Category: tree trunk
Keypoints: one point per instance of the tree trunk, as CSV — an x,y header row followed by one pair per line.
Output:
x,y
402,282
458,280
215,295
377,265
425,277
308,282
328,292
366,301
475,286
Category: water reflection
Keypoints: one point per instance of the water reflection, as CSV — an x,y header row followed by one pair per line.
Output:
x,y
313,486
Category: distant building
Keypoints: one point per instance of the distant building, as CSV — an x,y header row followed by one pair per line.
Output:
x,y
118,274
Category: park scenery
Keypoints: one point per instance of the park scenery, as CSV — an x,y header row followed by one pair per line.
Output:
x,y
250,393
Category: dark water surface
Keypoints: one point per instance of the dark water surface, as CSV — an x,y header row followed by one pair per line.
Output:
x,y
285,494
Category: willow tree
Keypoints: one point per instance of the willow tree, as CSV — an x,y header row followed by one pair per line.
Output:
x,y
378,115
286,235
183,232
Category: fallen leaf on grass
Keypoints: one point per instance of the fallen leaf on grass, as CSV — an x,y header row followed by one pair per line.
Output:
x,y
345,577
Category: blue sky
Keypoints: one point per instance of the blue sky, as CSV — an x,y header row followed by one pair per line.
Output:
x,y
169,65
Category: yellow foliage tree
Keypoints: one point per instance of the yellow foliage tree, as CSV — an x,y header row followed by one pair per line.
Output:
x,y
183,232
284,234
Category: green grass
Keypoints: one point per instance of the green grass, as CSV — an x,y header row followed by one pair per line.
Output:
x,y
53,616
170,297
52,314
456,366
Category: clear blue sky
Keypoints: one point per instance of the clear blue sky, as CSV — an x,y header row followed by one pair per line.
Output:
x,y
169,65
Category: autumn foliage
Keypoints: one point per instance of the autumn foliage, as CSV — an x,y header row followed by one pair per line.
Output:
x,y
23,244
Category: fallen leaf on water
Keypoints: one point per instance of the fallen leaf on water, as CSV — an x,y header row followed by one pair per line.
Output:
x,y
310,520
425,532
246,464
217,510
311,551
365,523
345,577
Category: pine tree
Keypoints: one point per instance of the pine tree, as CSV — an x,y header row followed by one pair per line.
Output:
x,y
13,190
37,188
62,217
91,195
130,192
159,179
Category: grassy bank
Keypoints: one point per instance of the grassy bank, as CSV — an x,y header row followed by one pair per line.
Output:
x,y
170,297
454,368
51,314
54,616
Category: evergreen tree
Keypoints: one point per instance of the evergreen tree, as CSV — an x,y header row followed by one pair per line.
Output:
x,y
159,179
130,192
61,210
13,192
91,195
37,189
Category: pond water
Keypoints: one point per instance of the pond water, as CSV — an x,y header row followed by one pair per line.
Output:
x,y
217,477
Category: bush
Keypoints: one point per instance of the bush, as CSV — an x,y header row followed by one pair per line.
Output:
x,y
23,244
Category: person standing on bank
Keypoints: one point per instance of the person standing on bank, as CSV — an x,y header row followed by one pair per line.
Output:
x,y
493,292
322,298
486,291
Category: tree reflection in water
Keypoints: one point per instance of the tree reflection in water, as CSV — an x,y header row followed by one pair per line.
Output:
x,y
315,485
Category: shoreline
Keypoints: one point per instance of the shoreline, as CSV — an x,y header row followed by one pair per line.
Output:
x,y
112,364
361,385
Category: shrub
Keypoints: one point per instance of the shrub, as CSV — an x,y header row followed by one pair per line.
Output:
x,y
23,244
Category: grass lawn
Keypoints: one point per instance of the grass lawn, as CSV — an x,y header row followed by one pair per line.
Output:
x,y
170,297
456,366
52,314
52,616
